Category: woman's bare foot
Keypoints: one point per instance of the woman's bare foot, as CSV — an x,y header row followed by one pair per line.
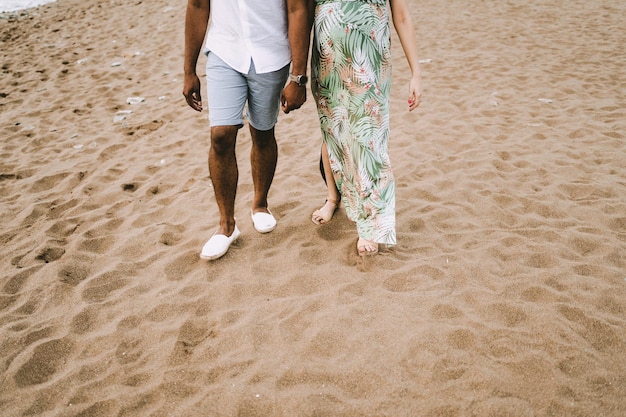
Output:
x,y
366,247
324,214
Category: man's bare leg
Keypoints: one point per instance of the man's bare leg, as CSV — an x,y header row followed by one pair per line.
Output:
x,y
263,157
224,174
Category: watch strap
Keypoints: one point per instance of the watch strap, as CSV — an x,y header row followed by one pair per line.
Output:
x,y
299,79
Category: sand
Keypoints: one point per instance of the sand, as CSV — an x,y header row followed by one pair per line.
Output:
x,y
506,293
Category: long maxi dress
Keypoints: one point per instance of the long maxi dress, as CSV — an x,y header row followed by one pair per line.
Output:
x,y
351,82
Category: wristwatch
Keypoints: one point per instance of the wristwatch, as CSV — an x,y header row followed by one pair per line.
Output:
x,y
301,80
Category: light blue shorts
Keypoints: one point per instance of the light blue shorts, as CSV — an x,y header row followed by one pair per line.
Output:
x,y
228,91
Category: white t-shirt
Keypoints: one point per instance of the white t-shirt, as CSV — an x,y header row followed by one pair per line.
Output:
x,y
241,30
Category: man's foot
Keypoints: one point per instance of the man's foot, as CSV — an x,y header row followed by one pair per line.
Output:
x,y
325,214
218,245
366,247
263,222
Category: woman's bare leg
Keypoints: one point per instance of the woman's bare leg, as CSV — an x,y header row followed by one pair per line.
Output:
x,y
325,213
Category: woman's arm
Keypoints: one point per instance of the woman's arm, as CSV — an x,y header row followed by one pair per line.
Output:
x,y
403,24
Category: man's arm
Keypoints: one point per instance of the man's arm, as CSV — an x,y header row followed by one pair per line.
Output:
x,y
300,20
196,22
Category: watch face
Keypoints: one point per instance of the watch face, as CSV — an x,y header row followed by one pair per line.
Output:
x,y
299,79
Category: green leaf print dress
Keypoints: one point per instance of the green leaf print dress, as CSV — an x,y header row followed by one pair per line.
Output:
x,y
351,80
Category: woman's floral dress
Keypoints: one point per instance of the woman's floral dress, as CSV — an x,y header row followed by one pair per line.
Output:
x,y
351,80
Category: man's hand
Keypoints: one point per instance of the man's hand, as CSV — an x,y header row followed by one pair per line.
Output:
x,y
191,91
196,23
292,97
300,17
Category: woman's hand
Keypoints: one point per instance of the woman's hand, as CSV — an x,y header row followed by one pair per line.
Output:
x,y
415,93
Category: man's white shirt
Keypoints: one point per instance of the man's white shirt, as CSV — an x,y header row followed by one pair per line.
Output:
x,y
244,30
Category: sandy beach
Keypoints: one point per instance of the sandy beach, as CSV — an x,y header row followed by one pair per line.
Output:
x,y
506,293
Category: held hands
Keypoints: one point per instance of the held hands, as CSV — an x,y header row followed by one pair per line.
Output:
x,y
191,91
292,97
